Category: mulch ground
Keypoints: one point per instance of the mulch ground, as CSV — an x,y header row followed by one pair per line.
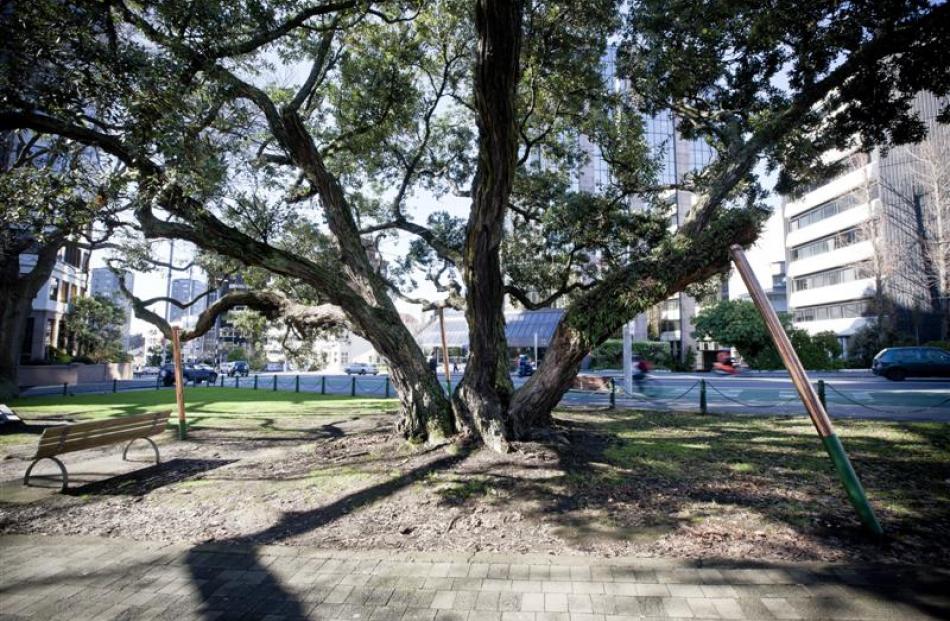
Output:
x,y
622,483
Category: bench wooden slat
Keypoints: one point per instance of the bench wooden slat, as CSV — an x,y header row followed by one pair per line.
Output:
x,y
80,444
79,436
55,435
108,422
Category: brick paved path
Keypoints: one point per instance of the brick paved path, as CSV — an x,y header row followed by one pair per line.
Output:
x,y
88,578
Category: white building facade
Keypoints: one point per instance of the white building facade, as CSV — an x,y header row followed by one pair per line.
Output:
x,y
853,243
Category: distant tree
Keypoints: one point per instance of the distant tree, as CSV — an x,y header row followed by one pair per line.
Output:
x,y
96,325
155,357
737,323
871,338
238,353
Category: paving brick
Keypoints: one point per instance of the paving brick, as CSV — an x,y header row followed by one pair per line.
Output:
x,y
509,602
556,587
555,602
487,600
579,603
728,608
451,615
532,602
443,599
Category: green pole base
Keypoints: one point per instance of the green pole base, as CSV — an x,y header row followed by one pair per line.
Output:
x,y
852,484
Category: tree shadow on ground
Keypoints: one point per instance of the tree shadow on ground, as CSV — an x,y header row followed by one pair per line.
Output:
x,y
146,480
268,595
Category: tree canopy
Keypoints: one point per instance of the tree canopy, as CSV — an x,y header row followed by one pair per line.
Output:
x,y
291,137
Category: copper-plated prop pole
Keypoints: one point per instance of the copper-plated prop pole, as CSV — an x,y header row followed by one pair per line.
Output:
x,y
814,407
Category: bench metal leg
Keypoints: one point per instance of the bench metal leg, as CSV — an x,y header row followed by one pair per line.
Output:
x,y
62,468
158,459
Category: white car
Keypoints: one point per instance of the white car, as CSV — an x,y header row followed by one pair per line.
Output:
x,y
361,368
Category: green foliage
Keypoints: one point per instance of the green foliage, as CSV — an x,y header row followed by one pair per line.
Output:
x,y
609,355
737,323
155,357
96,325
236,354
871,338
940,344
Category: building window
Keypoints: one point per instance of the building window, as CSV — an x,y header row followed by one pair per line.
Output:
x,y
344,357
54,289
827,244
839,204
833,277
846,310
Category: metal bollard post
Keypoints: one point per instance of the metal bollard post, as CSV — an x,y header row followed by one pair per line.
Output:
x,y
65,388
255,381
821,394
275,382
702,396
158,382
222,381
237,381
323,384
115,385
353,386
297,384
387,386
613,393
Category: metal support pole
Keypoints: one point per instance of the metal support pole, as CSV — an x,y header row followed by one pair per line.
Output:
x,y
387,386
65,388
323,384
297,384
353,386
627,360
222,381
255,381
115,385
275,382
821,394
158,382
237,380
613,393
702,396
817,412
179,383
445,350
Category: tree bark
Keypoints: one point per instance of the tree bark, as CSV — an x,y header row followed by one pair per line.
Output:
x,y
601,311
485,390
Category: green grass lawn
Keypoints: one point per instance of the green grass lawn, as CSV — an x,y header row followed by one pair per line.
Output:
x,y
205,407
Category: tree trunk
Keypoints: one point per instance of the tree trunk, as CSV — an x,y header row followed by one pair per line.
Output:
x,y
483,394
603,310
16,303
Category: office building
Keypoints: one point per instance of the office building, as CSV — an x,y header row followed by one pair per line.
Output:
x,y
859,246
45,329
104,282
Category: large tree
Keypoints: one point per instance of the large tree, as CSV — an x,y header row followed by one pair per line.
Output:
x,y
52,192
228,159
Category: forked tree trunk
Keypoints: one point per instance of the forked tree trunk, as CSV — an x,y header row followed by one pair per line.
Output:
x,y
602,310
481,400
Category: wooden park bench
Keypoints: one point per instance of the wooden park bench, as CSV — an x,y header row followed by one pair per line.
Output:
x,y
80,436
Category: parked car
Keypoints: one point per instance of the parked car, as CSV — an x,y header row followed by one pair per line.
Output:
x,y
149,371
191,374
239,367
361,368
897,363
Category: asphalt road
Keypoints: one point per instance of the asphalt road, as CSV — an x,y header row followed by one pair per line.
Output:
x,y
849,394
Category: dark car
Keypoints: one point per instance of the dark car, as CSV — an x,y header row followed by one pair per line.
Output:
x,y
525,368
191,373
239,367
896,363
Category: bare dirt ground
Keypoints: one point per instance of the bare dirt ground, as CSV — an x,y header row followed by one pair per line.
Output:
x,y
625,483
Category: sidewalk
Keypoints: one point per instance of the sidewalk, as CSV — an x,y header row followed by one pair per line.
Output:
x,y
92,578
